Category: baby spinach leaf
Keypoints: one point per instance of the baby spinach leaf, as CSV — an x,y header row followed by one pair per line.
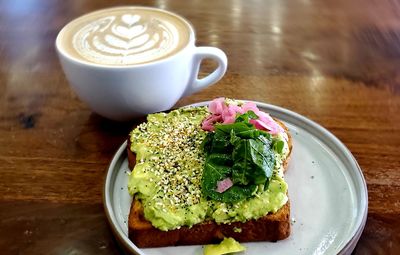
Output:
x,y
253,161
241,152
252,133
246,117
211,175
242,166
264,159
278,145
234,194
220,143
220,159
237,127
207,142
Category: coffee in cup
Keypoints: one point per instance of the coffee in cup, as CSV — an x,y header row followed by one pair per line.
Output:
x,y
129,61
120,37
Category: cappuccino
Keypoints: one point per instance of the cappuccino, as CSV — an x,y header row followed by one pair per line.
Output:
x,y
130,61
125,36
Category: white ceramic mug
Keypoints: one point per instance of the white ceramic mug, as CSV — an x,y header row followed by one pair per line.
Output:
x,y
127,91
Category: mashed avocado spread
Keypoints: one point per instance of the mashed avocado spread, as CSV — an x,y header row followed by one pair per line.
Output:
x,y
168,171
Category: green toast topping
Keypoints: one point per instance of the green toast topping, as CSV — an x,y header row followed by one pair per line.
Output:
x,y
167,177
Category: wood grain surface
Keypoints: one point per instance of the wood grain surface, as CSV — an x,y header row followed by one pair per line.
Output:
x,y
336,62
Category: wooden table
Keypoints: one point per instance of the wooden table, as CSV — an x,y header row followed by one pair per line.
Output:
x,y
336,62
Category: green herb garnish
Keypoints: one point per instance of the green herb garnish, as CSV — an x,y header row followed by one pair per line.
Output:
x,y
242,153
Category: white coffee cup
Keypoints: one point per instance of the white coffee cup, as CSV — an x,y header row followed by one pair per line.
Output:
x,y
120,80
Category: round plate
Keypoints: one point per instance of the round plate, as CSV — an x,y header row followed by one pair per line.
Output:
x,y
327,192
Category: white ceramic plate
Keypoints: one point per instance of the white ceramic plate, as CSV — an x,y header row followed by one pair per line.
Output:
x,y
327,191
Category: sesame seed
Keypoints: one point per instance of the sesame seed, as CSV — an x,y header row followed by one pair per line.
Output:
x,y
177,158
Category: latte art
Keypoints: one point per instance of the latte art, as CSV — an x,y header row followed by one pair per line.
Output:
x,y
126,36
129,39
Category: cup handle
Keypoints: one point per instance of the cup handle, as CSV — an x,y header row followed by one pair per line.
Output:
x,y
203,53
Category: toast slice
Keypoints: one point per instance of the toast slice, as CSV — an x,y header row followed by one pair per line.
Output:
x,y
271,227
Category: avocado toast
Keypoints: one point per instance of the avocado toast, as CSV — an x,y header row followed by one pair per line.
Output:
x,y
192,182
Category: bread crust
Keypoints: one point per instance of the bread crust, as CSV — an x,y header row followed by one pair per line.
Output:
x,y
271,227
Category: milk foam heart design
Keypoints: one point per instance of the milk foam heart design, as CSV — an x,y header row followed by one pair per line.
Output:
x,y
128,33
130,19
129,45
